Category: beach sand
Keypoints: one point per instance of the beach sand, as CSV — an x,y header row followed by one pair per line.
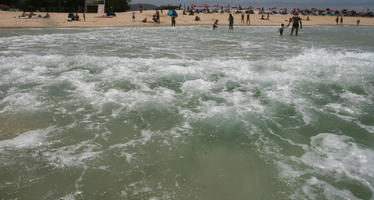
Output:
x,y
11,20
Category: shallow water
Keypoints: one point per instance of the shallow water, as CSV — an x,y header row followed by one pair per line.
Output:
x,y
187,113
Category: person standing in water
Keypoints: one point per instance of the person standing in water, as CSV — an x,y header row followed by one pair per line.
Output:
x,y
296,24
173,20
231,22
281,29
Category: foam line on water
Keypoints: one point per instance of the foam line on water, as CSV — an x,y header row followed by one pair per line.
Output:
x,y
29,139
336,156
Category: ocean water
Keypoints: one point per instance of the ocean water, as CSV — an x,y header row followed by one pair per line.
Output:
x,y
187,113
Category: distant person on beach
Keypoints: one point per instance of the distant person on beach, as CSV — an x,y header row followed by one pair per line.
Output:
x,y
173,20
296,24
281,29
76,17
23,14
215,24
243,17
337,20
197,18
358,22
248,19
307,18
71,16
133,16
84,16
231,22
157,17
268,16
341,20
46,16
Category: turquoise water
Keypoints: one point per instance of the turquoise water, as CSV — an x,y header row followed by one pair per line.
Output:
x,y
187,113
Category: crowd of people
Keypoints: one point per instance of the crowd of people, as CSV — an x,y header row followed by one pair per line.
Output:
x,y
245,18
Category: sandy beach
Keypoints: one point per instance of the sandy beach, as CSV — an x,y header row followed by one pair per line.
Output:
x,y
11,20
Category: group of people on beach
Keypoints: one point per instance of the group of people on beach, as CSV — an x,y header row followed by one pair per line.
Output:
x,y
32,15
337,20
295,21
72,17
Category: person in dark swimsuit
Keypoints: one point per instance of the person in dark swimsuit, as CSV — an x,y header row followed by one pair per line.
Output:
x,y
215,25
231,22
296,24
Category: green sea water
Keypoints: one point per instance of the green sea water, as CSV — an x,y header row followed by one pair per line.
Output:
x,y
187,113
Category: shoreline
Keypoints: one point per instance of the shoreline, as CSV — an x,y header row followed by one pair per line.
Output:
x,y
163,26
10,20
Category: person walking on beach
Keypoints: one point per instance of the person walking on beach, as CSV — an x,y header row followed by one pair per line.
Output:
x,y
84,15
243,17
248,19
296,23
341,20
358,22
268,16
231,22
133,16
337,20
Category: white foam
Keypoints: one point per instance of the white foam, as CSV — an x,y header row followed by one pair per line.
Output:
x,y
340,153
335,156
198,86
20,101
314,186
29,139
72,155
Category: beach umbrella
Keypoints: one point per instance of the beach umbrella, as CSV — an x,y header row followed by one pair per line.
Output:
x,y
193,5
250,7
172,12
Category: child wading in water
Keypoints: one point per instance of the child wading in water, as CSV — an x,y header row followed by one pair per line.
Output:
x,y
215,25
281,29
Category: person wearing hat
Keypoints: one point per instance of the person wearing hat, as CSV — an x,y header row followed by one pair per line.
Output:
x,y
296,23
